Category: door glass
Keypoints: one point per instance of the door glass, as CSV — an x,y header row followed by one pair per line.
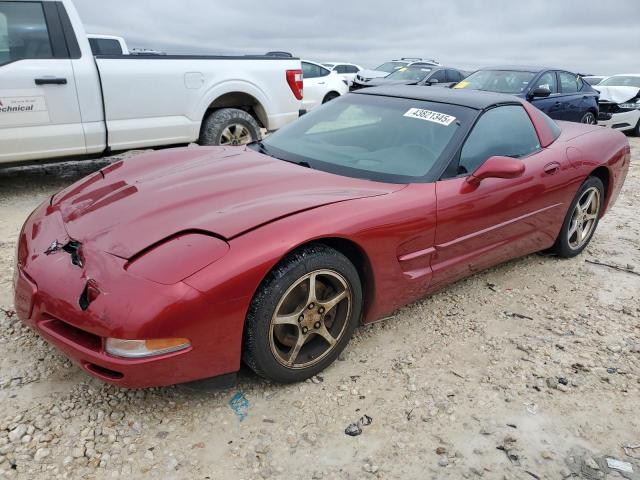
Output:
x,y
439,75
569,82
505,131
105,46
311,70
548,81
23,32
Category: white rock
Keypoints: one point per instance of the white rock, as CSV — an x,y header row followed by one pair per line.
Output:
x,y
41,454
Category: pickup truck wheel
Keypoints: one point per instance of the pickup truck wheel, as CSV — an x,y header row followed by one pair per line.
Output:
x,y
229,126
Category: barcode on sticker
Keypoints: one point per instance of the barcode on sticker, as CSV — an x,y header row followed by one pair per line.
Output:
x,y
429,116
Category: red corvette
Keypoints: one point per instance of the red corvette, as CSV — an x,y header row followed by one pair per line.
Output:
x,y
175,265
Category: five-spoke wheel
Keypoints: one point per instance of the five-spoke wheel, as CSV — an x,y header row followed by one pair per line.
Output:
x,y
303,314
581,220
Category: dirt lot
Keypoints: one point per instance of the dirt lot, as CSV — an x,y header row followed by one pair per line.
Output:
x,y
528,371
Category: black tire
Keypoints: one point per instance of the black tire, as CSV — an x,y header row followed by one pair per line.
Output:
x,y
562,247
330,96
257,348
636,131
590,118
217,121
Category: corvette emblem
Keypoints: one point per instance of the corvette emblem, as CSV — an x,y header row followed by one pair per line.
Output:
x,y
53,248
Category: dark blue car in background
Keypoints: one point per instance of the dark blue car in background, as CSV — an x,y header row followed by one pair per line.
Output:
x,y
560,94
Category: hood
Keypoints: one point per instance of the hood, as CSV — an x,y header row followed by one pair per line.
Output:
x,y
225,191
369,74
617,94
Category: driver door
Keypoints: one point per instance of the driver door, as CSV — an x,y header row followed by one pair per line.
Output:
x,y
498,219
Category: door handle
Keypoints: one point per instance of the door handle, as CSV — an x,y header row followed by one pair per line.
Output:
x,y
552,168
50,81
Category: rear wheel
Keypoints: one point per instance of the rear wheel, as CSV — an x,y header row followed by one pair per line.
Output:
x,y
589,118
581,220
303,315
229,126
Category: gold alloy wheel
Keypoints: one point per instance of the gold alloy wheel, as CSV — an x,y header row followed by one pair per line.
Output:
x,y
310,319
235,134
584,218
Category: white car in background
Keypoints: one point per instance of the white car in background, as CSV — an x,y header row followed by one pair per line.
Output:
x,y
320,85
620,102
346,71
385,69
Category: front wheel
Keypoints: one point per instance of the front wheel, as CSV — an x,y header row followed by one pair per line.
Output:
x,y
303,315
589,118
229,127
581,220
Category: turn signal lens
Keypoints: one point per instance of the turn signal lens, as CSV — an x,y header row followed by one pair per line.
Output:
x,y
145,348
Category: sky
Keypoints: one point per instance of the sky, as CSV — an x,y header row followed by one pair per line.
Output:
x,y
584,36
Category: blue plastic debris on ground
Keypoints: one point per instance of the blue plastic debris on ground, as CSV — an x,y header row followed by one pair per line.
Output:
x,y
240,405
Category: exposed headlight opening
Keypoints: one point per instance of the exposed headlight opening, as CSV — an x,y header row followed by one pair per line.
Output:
x,y
630,105
144,348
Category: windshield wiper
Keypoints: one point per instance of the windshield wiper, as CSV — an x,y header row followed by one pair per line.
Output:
x,y
263,149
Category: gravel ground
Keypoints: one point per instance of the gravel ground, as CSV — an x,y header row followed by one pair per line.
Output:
x,y
527,371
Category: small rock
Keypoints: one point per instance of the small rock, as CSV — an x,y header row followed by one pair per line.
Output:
x,y
443,461
614,348
172,464
41,454
17,433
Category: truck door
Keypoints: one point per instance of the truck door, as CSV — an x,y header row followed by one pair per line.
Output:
x,y
39,111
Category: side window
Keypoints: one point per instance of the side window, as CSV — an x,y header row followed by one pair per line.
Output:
x,y
440,76
505,131
548,81
341,69
311,70
568,82
105,46
23,32
453,76
352,69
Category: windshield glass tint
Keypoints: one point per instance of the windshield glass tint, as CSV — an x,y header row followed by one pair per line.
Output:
x,y
409,73
368,136
391,66
501,81
621,81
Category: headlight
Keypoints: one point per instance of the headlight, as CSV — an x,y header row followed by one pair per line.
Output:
x,y
177,258
630,106
145,348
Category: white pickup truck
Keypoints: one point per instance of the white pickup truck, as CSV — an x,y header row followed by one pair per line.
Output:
x,y
58,99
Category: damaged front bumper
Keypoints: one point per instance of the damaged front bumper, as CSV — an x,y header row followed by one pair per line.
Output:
x,y
76,297
613,117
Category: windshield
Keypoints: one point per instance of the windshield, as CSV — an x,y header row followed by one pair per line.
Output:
x,y
410,73
621,81
391,66
501,81
380,138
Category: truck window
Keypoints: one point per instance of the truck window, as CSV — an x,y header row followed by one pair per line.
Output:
x,y
105,46
23,32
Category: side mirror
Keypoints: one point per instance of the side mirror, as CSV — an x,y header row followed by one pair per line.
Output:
x,y
497,167
433,81
540,92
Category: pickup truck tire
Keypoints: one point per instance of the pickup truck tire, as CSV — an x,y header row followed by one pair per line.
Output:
x,y
229,126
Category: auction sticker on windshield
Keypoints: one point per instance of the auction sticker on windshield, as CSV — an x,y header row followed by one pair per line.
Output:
x,y
429,116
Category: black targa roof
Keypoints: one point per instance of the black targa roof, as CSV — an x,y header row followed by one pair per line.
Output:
x,y
475,99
